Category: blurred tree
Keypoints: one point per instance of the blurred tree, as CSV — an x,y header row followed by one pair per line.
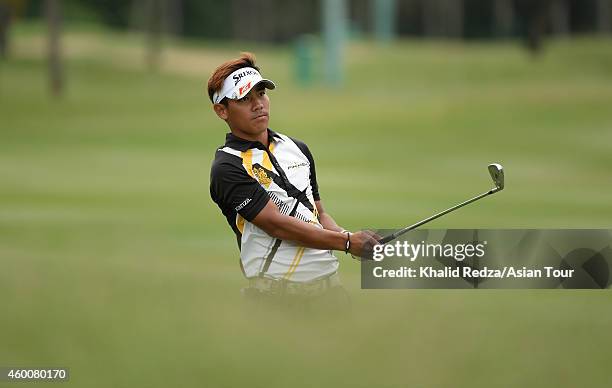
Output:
x,y
113,12
430,17
604,16
156,18
137,15
246,17
297,17
285,20
559,17
442,17
54,21
5,20
334,16
270,20
384,14
174,16
478,19
503,13
154,26
409,17
9,10
359,15
535,14
209,18
454,18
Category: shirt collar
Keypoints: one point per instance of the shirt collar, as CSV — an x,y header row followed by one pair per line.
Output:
x,y
240,144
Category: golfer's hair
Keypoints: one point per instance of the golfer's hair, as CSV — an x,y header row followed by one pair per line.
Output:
x,y
215,82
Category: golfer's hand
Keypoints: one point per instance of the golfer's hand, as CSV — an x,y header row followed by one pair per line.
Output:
x,y
362,244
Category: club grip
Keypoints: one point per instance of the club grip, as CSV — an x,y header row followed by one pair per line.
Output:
x,y
386,239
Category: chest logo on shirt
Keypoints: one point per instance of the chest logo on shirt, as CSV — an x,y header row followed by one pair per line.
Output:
x,y
262,176
296,165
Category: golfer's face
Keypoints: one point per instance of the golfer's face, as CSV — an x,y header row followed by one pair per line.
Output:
x,y
250,114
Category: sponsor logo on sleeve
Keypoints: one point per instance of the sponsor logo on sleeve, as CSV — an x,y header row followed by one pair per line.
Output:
x,y
243,204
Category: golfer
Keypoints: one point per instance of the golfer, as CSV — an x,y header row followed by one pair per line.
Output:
x,y
265,184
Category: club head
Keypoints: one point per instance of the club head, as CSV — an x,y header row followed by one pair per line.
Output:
x,y
497,174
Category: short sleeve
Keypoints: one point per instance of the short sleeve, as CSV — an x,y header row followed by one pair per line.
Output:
x,y
236,191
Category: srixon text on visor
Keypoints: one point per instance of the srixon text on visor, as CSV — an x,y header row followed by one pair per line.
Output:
x,y
238,77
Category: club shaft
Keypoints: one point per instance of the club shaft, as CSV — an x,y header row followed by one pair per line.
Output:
x,y
400,232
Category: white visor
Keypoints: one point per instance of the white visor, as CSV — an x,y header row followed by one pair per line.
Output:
x,y
239,83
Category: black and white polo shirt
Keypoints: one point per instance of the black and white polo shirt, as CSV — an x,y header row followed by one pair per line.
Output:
x,y
244,176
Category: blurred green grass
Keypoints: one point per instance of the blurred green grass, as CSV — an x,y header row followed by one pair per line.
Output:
x,y
115,262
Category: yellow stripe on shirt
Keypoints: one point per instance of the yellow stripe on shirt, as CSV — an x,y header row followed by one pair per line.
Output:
x,y
247,161
295,262
240,223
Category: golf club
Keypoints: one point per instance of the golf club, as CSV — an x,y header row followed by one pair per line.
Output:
x,y
497,174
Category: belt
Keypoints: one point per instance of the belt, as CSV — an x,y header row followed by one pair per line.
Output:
x,y
286,287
